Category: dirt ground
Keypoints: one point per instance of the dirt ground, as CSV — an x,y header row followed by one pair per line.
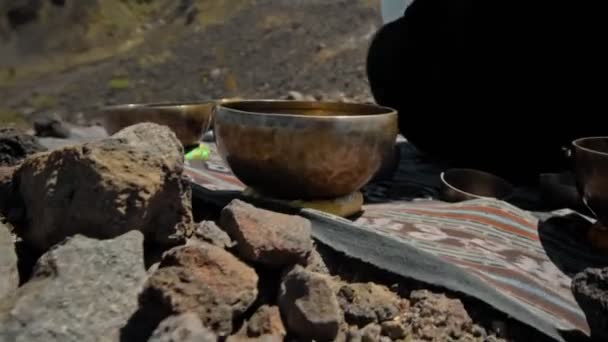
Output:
x,y
256,49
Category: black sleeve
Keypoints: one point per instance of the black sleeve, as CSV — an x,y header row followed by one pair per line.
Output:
x,y
510,67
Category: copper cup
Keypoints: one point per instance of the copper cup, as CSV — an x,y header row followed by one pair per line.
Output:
x,y
467,184
590,157
304,150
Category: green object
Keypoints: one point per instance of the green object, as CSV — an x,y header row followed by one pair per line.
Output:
x,y
119,83
202,152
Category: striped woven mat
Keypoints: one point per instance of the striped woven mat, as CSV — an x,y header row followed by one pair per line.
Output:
x,y
529,260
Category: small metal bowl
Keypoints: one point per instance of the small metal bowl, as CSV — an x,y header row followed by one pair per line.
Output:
x,y
591,169
189,121
466,184
304,150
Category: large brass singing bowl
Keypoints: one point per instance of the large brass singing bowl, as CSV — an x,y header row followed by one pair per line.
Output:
x,y
591,168
189,121
304,150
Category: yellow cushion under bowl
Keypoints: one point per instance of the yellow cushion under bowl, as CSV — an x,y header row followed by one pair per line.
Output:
x,y
342,206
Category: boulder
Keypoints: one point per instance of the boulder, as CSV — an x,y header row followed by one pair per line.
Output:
x,y
267,237
203,279
130,181
309,305
186,327
590,289
368,303
81,290
9,275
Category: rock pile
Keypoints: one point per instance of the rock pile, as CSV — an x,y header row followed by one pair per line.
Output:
x,y
94,212
205,280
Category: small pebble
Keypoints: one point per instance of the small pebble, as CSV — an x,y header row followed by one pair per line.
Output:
x,y
371,333
353,335
479,331
394,329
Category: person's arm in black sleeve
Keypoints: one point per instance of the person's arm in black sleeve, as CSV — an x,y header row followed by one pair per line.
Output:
x,y
484,82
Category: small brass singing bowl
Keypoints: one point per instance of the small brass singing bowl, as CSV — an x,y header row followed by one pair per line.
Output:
x,y
189,121
466,184
591,170
304,150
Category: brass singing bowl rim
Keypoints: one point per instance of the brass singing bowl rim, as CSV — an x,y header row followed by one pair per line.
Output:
x,y
359,110
578,143
487,177
169,105
190,120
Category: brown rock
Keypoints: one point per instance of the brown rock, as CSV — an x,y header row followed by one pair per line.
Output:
x,y
132,180
371,333
9,276
203,279
266,321
186,327
177,290
309,305
590,289
208,231
394,329
367,303
263,236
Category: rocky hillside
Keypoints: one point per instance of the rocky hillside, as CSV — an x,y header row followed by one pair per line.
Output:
x,y
41,35
70,56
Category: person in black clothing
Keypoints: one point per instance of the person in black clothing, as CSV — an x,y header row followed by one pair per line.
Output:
x,y
501,86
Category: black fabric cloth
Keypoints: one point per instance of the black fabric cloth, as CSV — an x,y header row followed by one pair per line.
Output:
x,y
496,85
